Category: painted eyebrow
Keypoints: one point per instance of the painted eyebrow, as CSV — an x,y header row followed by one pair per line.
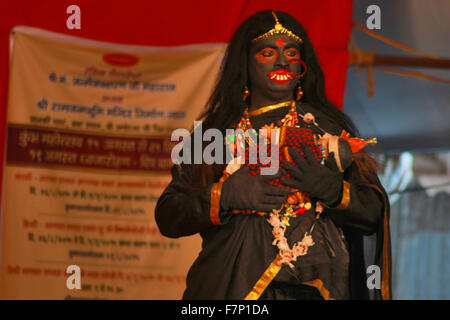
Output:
x,y
260,47
292,46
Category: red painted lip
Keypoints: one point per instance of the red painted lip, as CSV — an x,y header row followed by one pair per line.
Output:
x,y
120,59
281,76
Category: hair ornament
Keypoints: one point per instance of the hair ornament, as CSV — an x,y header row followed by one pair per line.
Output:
x,y
277,29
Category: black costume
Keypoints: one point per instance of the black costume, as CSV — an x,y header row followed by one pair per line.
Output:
x,y
236,253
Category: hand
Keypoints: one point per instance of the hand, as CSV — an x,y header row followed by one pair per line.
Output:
x,y
317,180
244,191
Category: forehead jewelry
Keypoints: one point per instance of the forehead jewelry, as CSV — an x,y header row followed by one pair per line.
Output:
x,y
277,29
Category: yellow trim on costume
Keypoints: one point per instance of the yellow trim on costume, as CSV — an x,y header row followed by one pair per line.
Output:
x,y
215,202
385,288
287,155
319,285
345,196
265,279
282,136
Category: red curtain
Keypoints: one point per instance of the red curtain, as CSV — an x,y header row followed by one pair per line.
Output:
x,y
170,23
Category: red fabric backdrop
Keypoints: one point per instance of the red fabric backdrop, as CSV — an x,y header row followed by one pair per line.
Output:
x,y
170,23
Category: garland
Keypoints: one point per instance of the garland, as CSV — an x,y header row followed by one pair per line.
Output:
x,y
278,218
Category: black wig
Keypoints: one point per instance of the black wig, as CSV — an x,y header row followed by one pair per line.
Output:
x,y
225,106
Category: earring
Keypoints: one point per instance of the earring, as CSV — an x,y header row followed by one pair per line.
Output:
x,y
299,92
246,93
299,88
304,69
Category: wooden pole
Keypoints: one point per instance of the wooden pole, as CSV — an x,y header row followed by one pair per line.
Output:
x,y
359,57
411,62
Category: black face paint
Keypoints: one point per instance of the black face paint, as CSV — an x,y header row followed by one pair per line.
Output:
x,y
274,64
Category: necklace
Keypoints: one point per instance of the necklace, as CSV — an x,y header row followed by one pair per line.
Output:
x,y
270,108
279,219
289,120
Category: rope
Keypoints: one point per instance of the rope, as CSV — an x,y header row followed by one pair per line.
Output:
x,y
361,57
359,26
412,74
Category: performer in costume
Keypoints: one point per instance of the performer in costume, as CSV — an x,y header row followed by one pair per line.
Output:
x,y
299,234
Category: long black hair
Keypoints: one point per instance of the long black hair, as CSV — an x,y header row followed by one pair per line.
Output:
x,y
225,106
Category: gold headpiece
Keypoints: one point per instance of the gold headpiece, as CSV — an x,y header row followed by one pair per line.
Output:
x,y
278,29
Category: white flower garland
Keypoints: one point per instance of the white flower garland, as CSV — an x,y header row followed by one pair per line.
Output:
x,y
286,253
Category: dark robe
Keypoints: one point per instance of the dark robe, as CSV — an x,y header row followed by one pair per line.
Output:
x,y
236,253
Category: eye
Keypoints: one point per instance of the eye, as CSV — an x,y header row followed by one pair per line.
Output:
x,y
267,55
291,52
268,52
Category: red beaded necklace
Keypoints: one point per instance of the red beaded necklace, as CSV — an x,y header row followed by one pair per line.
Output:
x,y
279,219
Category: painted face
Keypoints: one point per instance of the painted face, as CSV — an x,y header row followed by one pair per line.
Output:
x,y
274,64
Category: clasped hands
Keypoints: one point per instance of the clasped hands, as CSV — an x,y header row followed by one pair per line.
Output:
x,y
244,191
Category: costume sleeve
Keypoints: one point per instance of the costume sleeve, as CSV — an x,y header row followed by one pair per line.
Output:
x,y
365,210
183,212
361,206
